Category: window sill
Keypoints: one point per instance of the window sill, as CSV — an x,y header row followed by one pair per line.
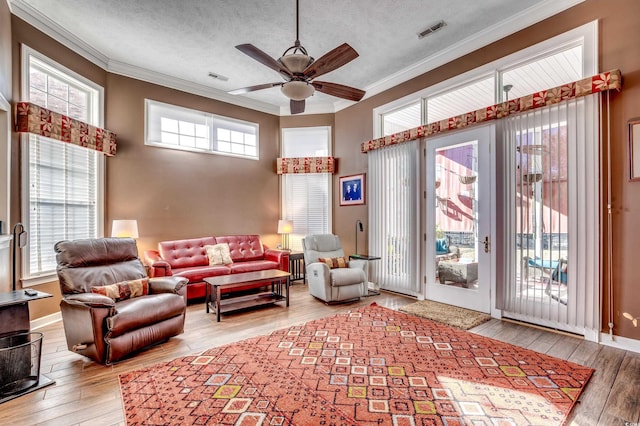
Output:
x,y
40,279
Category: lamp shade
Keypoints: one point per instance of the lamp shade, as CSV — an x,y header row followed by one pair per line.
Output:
x,y
297,90
123,228
285,226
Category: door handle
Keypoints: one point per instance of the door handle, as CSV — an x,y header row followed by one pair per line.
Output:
x,y
487,244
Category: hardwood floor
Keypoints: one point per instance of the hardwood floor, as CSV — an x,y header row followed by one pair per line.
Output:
x,y
87,393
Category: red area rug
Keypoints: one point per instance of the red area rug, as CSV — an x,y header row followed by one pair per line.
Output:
x,y
365,367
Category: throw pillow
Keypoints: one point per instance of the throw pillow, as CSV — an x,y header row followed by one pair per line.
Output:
x,y
335,262
219,254
124,290
442,247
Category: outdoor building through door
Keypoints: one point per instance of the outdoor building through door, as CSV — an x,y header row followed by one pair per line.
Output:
x,y
458,219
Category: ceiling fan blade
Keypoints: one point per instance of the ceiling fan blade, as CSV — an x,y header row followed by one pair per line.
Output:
x,y
339,90
330,61
297,107
253,88
263,58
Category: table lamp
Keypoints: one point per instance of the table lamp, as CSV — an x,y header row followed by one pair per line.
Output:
x,y
124,228
285,227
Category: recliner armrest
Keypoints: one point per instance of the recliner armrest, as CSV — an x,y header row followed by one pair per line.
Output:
x,y
158,267
171,284
92,300
319,268
280,256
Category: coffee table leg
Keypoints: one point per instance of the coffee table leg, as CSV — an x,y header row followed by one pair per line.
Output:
x,y
207,297
287,289
218,303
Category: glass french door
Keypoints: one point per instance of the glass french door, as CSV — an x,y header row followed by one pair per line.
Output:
x,y
458,219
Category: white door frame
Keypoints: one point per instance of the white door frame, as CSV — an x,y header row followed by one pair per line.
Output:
x,y
484,299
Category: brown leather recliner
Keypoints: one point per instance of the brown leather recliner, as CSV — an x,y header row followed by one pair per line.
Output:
x,y
100,328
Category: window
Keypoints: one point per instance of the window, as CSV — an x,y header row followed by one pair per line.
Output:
x,y
62,191
401,119
467,98
552,70
174,127
305,197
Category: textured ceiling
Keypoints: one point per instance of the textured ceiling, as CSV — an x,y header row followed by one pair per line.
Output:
x,y
179,42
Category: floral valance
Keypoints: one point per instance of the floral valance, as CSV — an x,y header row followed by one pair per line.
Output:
x,y
306,165
597,83
31,118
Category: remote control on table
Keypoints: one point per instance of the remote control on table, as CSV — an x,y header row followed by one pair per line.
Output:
x,y
30,292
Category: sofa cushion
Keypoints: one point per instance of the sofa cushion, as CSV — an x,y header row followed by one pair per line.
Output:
x,y
124,290
186,253
156,308
218,254
243,247
253,265
334,262
198,274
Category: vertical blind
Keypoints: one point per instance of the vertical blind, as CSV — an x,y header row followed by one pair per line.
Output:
x,y
553,156
393,217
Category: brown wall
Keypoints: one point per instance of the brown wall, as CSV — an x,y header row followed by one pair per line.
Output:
x,y
619,31
180,194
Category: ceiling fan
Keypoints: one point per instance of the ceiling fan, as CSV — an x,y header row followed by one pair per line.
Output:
x,y
299,71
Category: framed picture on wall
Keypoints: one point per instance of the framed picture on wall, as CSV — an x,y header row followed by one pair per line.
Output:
x,y
352,190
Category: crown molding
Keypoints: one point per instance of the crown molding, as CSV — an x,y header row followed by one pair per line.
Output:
x,y
172,82
41,22
487,36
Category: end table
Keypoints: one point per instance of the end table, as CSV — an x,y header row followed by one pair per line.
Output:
x,y
367,258
296,266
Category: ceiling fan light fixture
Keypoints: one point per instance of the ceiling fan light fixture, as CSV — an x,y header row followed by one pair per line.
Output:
x,y
297,90
296,62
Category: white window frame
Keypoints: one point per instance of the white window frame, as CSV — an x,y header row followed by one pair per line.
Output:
x,y
152,128
296,237
28,277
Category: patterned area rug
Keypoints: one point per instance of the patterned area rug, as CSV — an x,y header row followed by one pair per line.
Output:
x,y
448,314
370,366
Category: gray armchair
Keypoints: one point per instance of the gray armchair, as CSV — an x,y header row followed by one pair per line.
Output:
x,y
332,285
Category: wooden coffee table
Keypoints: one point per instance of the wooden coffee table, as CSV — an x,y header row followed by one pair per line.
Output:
x,y
279,281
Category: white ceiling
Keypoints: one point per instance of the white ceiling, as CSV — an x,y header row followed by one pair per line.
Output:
x,y
177,43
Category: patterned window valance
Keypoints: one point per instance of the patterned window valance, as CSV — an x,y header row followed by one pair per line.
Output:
x,y
597,83
306,165
31,118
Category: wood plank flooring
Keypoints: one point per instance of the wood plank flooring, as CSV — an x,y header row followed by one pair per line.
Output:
x,y
87,393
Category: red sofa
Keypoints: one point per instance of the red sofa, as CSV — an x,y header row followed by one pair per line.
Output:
x,y
188,258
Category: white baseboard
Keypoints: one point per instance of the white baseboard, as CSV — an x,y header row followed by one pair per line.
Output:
x,y
620,342
46,320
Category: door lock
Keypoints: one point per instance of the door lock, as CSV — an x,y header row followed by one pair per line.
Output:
x,y
486,244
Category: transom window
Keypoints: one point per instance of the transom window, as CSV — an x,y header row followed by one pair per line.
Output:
x,y
171,126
